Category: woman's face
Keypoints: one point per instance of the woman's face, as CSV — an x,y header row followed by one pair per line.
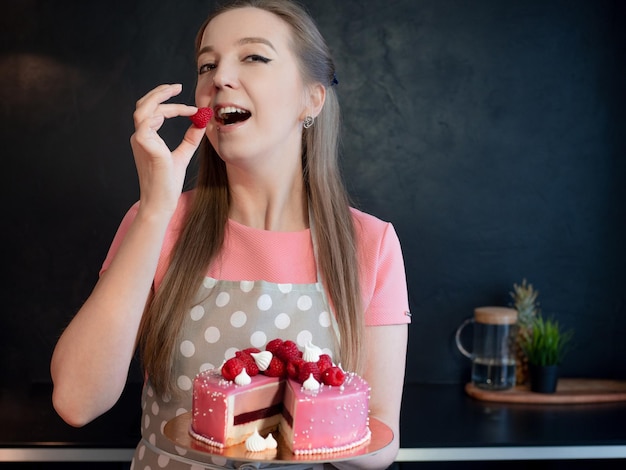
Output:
x,y
250,77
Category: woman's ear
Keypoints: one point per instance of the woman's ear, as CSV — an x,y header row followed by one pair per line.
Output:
x,y
315,99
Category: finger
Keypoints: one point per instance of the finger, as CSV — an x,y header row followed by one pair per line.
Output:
x,y
146,135
165,111
175,109
148,104
154,122
161,93
190,143
152,125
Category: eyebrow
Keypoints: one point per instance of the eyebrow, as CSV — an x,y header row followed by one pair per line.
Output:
x,y
256,40
241,42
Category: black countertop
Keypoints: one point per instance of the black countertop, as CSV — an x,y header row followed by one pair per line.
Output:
x,y
442,423
439,422
444,416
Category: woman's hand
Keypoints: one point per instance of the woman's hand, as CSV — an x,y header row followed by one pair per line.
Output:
x,y
161,171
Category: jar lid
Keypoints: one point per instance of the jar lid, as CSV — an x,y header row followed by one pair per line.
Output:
x,y
495,315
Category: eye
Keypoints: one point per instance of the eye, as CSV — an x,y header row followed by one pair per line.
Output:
x,y
204,68
257,58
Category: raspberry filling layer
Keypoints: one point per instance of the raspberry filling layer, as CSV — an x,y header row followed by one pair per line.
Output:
x,y
288,417
257,414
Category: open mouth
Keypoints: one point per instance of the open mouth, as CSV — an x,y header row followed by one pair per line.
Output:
x,y
229,115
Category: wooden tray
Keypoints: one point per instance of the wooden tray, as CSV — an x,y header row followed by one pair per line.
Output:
x,y
568,391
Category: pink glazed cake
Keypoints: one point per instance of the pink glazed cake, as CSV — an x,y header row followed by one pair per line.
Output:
x,y
319,414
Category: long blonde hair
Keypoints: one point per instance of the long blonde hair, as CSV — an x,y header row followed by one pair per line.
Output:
x,y
203,233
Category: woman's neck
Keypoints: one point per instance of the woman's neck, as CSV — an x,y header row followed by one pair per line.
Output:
x,y
273,203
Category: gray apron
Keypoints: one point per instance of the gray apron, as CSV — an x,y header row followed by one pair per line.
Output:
x,y
228,316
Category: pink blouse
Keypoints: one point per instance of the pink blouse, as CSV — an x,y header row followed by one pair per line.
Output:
x,y
287,257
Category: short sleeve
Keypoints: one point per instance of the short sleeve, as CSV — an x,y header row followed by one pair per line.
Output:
x,y
173,230
383,278
389,303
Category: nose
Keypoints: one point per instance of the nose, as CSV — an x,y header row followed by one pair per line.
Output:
x,y
224,76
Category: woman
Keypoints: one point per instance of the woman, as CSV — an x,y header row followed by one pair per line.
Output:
x,y
269,208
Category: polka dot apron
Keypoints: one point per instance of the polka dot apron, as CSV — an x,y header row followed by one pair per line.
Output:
x,y
228,316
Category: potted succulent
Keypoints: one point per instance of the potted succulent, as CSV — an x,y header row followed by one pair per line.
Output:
x,y
545,345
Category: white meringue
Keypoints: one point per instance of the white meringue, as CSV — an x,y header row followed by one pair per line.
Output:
x,y
270,442
311,353
262,359
243,378
311,383
256,443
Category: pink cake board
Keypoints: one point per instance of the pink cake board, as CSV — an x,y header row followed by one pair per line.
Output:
x,y
177,431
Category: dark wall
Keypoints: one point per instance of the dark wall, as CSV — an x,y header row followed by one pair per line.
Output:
x,y
491,134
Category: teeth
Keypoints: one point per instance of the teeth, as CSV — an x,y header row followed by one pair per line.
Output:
x,y
230,110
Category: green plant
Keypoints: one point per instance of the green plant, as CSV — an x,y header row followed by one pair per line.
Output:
x,y
546,343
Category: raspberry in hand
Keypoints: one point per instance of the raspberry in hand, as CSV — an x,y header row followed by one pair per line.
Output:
x,y
202,117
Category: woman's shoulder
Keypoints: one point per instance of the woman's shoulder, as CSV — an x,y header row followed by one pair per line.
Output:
x,y
373,234
383,278
175,226
368,224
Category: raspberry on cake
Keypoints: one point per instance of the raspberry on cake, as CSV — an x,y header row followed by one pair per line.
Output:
x,y
316,413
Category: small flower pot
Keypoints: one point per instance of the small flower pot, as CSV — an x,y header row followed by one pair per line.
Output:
x,y
543,379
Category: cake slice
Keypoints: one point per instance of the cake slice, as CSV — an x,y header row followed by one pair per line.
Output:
x,y
329,419
226,414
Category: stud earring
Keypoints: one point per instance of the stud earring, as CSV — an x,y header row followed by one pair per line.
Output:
x,y
308,121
